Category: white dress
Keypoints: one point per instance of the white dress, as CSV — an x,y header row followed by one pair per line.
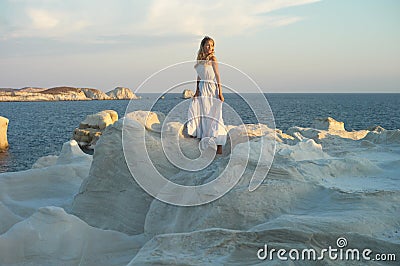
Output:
x,y
205,112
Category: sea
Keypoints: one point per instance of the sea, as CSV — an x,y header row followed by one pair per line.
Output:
x,y
38,129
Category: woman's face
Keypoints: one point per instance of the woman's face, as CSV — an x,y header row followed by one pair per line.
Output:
x,y
208,47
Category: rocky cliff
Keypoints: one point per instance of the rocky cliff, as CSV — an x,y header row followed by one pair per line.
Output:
x,y
95,94
121,93
63,94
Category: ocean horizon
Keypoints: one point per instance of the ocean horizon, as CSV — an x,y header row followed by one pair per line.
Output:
x,y
38,129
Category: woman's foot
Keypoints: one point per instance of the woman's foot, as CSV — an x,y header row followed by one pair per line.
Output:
x,y
219,149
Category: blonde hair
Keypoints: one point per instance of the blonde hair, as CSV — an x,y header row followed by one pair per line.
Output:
x,y
202,57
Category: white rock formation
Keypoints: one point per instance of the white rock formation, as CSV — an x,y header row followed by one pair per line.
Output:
x,y
186,94
63,239
303,150
321,186
121,93
95,94
326,127
124,206
383,136
22,193
150,120
109,198
3,133
328,124
91,128
45,161
100,120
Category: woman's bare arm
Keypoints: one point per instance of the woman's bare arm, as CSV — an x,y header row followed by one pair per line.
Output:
x,y
197,87
214,63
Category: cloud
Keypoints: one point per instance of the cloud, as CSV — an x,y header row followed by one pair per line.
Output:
x,y
282,21
223,17
90,21
42,19
42,22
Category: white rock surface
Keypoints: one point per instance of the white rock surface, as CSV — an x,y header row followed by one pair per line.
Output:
x,y
292,165
217,246
3,133
22,193
186,94
7,218
150,120
109,198
384,136
321,186
63,239
121,93
303,150
45,161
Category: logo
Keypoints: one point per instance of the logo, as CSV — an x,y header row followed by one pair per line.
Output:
x,y
340,252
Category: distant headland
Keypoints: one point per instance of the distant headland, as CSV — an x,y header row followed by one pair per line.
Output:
x,y
64,93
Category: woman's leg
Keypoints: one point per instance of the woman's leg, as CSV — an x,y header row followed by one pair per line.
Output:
x,y
219,149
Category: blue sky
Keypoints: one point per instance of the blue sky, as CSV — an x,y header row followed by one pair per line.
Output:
x,y
285,46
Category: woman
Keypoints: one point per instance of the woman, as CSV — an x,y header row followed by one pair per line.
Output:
x,y
205,113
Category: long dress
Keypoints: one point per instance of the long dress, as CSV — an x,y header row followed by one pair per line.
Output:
x,y
205,112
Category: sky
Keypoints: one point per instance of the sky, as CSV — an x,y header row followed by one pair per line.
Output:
x,y
283,45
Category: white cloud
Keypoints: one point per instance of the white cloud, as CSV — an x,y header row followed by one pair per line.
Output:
x,y
42,19
282,21
91,20
222,17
